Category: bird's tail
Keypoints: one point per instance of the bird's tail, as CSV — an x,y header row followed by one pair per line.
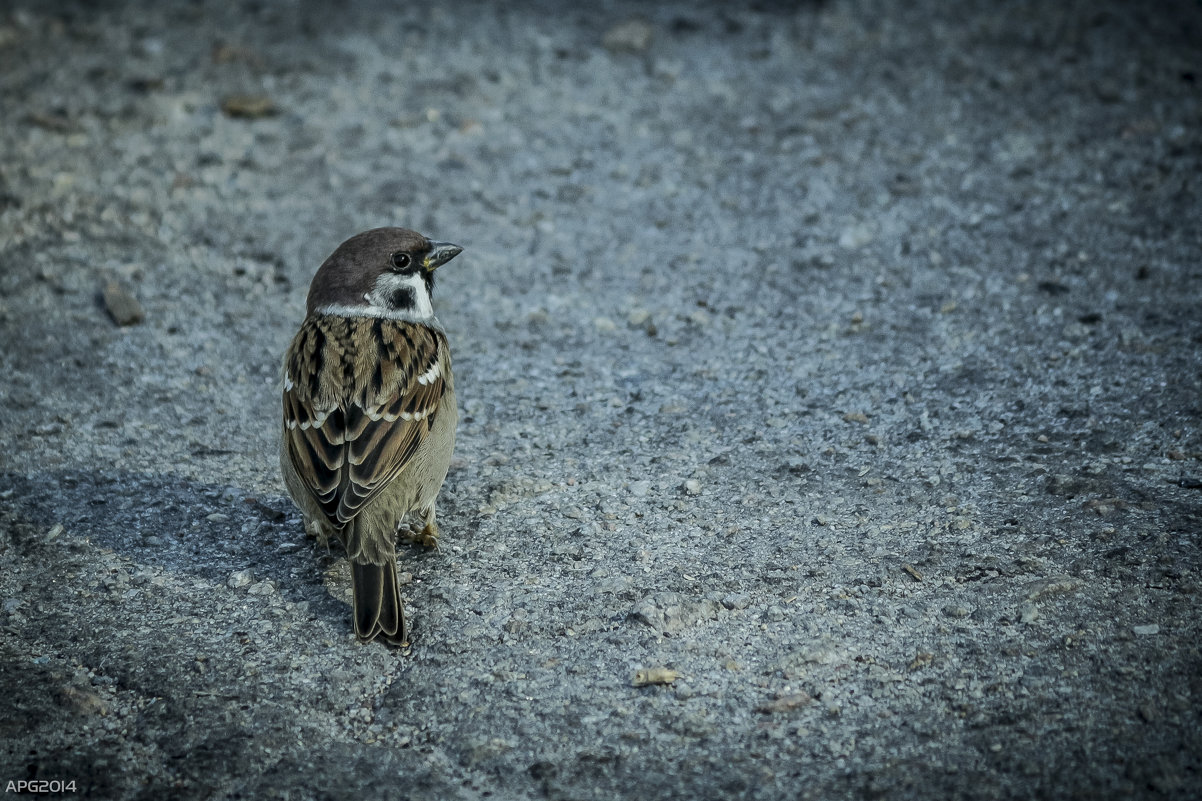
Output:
x,y
377,602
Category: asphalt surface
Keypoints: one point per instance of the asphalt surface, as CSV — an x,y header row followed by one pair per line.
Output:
x,y
830,378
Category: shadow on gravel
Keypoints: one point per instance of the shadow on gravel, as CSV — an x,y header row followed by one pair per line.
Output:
x,y
167,521
173,526
129,651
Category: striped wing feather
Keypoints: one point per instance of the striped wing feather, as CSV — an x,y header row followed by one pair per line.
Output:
x,y
360,395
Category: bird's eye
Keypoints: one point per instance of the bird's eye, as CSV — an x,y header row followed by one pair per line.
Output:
x,y
401,261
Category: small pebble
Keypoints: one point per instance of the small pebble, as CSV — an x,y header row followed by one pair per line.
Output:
x,y
1146,631
921,660
1054,585
122,306
249,107
736,600
632,36
774,614
784,703
239,578
659,675
855,236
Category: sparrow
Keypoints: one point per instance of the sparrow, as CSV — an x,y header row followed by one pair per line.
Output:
x,y
369,411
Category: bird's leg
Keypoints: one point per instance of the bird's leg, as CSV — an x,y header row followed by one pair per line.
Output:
x,y
430,531
314,530
428,535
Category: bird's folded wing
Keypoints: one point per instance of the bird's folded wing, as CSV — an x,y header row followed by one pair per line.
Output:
x,y
360,396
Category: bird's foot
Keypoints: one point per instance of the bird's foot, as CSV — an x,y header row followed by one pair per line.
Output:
x,y
427,536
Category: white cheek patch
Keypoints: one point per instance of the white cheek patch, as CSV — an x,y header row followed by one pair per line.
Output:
x,y
413,286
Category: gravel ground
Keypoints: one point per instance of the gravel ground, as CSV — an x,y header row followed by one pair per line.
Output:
x,y
833,370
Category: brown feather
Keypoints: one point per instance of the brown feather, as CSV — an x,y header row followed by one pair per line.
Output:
x,y
351,370
377,603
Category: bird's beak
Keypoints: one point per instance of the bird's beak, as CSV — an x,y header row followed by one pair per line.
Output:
x,y
440,254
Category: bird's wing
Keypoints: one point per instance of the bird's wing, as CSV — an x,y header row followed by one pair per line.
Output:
x,y
360,396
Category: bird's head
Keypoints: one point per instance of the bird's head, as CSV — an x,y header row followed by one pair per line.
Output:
x,y
384,272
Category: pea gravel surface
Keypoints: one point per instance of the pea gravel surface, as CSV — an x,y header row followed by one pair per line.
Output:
x,y
830,377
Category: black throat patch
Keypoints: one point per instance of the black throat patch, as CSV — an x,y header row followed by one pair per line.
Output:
x,y
402,298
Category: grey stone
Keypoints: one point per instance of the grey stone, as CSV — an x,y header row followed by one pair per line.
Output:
x,y
240,578
1055,585
671,612
736,600
632,36
122,306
